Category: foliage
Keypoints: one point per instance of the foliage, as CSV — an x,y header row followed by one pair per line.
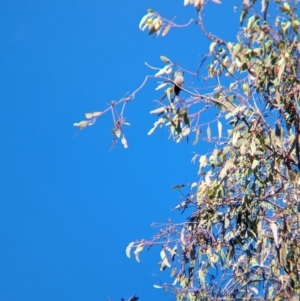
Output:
x,y
242,238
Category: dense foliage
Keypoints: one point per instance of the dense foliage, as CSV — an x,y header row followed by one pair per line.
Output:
x,y
242,238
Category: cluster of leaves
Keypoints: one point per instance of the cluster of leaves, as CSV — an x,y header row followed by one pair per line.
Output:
x,y
174,114
242,239
118,121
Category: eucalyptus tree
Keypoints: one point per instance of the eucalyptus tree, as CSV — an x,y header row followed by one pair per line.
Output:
x,y
241,240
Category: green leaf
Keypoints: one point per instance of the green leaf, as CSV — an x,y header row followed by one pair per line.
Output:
x,y
143,20
165,262
220,129
270,292
137,251
253,289
158,110
273,138
208,132
128,249
246,88
236,49
285,7
195,184
243,16
201,275
89,115
283,254
281,64
165,59
250,22
214,258
254,163
173,252
160,122
185,131
186,119
156,25
228,115
235,137
162,254
166,30
160,86
124,142
165,70
179,186
151,131
169,92
81,124
243,150
212,46
117,132
196,137
253,147
274,229
203,162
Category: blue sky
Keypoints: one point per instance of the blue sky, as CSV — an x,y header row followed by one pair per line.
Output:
x,y
68,206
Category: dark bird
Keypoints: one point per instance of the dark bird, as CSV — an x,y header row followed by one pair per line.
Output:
x,y
178,80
